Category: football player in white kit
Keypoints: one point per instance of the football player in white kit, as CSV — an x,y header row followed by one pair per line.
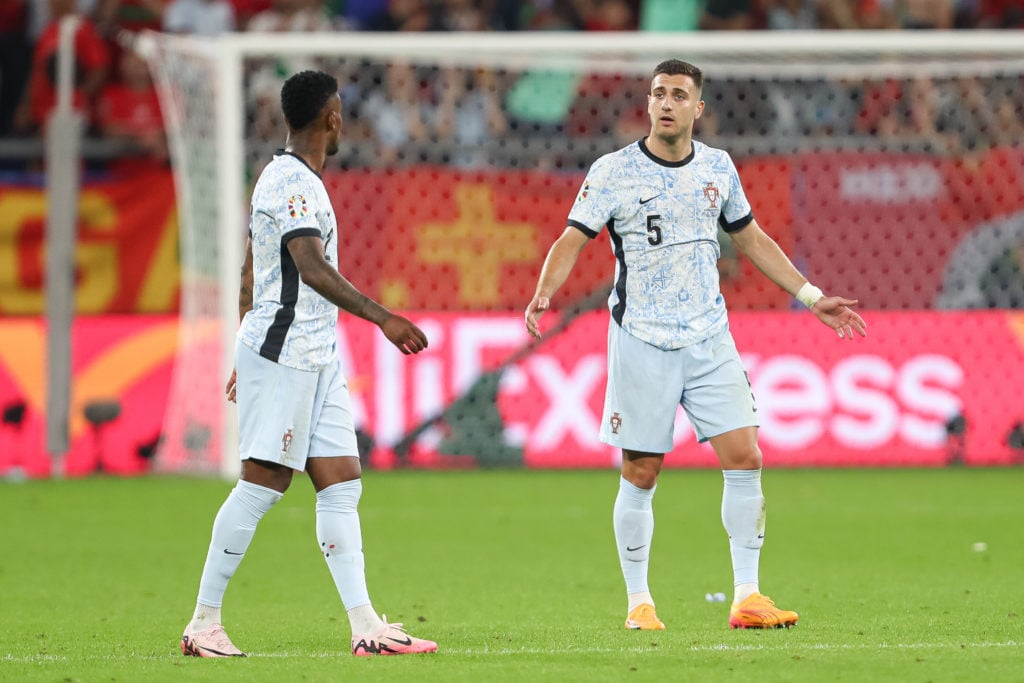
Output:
x,y
662,200
293,401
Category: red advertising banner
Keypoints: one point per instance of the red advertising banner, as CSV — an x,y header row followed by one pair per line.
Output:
x,y
823,402
880,227
122,360
126,260
439,239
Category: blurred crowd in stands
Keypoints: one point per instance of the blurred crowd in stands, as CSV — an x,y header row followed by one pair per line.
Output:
x,y
473,117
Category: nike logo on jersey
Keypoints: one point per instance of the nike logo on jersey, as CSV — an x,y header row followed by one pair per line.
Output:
x,y
651,199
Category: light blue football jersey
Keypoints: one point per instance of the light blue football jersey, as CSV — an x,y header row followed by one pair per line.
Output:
x,y
663,220
290,323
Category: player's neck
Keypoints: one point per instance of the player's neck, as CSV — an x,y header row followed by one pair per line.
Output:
x,y
313,152
674,149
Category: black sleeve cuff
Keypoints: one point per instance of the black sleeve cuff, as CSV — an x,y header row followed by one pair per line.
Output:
x,y
301,232
584,229
737,225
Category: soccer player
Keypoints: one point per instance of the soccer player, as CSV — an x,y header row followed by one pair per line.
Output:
x,y
293,402
662,200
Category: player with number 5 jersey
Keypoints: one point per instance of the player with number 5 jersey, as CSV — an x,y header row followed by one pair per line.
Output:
x,y
662,200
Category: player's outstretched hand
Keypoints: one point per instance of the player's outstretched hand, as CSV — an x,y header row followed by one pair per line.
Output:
x,y
533,313
404,334
229,388
835,312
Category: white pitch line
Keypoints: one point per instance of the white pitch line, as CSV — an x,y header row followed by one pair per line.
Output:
x,y
505,652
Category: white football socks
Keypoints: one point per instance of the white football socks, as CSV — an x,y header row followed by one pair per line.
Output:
x,y
341,542
633,521
743,515
233,529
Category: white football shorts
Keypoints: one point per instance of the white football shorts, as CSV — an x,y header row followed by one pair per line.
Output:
x,y
287,415
646,385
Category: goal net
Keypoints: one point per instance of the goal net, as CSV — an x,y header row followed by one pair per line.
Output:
x,y
887,165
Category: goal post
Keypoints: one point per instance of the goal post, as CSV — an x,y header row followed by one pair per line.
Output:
x,y
777,93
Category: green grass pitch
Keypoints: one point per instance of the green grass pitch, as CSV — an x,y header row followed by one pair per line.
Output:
x,y
515,575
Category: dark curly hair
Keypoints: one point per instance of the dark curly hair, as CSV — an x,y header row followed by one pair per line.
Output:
x,y
304,95
677,67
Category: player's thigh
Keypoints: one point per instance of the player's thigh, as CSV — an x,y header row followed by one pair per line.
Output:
x,y
717,396
644,387
275,404
333,431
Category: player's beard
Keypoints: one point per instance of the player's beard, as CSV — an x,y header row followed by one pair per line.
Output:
x,y
333,146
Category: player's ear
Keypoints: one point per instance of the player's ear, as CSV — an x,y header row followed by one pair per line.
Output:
x,y
700,110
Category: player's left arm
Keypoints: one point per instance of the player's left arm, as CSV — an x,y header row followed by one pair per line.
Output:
x,y
768,257
307,253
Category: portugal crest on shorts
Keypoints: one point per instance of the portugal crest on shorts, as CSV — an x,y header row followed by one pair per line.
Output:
x,y
286,441
615,421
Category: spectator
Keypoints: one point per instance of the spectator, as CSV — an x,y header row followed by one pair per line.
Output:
x,y
92,60
876,14
469,114
1009,122
670,15
611,15
15,59
292,15
1006,14
398,113
268,75
461,15
199,17
133,16
403,15
551,15
792,15
358,14
927,14
129,111
1002,283
245,10
814,107
728,15
39,14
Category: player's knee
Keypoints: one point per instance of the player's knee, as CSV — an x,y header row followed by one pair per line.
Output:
x,y
746,458
268,474
642,479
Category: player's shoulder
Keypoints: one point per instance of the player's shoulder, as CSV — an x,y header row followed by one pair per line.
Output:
x,y
285,174
613,161
710,155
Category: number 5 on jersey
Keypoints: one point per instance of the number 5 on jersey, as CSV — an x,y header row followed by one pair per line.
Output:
x,y
653,229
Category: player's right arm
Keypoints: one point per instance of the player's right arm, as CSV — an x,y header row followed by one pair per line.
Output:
x,y
559,263
307,253
244,306
245,290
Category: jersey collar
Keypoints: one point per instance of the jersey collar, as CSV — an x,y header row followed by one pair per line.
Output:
x,y
283,152
661,162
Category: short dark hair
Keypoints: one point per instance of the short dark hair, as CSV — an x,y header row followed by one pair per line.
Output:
x,y
304,95
677,67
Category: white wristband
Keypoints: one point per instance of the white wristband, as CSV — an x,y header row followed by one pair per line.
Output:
x,y
809,295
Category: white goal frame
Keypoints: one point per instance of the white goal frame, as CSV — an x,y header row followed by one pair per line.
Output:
x,y
719,54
